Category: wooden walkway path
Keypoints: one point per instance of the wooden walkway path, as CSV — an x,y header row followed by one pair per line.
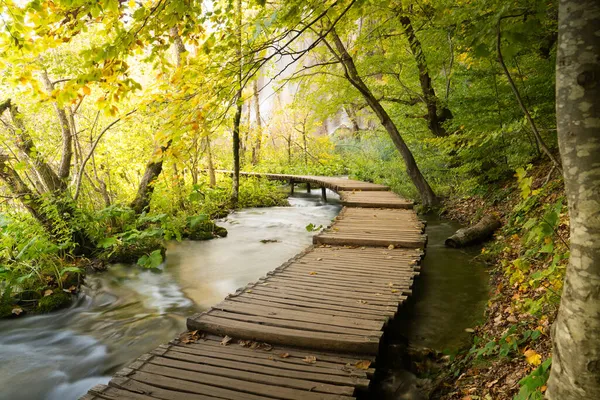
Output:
x,y
310,329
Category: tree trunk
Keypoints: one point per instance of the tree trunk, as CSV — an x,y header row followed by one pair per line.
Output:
x,y
50,180
575,370
141,202
211,167
353,120
235,190
434,119
64,168
474,234
428,197
258,141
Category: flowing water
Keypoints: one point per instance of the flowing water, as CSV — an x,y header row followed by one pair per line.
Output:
x,y
127,311
449,295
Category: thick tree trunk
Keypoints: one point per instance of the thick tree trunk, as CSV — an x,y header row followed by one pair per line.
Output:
x,y
576,333
258,141
434,119
474,234
146,187
428,197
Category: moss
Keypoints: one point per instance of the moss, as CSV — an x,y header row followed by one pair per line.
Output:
x,y
6,310
204,231
129,253
54,302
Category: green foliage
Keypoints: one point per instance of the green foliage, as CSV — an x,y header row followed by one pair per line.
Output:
x,y
532,384
152,260
313,228
507,345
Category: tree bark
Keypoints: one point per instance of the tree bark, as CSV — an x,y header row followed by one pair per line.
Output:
x,y
258,140
434,120
146,187
235,190
428,197
64,168
474,234
575,370
50,180
211,167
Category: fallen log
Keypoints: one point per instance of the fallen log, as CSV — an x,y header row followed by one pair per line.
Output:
x,y
475,233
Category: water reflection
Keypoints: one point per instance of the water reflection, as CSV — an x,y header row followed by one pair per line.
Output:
x,y
128,311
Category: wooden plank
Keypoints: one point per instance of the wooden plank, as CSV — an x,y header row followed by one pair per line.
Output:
x,y
267,367
174,389
326,306
292,337
329,356
278,313
330,239
335,285
322,311
345,281
330,367
111,393
326,303
207,373
286,323
337,292
312,294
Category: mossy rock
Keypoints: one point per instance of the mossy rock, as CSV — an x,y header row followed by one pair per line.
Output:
x,y
129,253
220,231
204,231
54,302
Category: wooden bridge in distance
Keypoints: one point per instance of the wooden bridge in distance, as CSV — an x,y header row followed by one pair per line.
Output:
x,y
310,329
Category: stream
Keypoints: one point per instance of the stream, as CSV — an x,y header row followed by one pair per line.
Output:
x,y
127,311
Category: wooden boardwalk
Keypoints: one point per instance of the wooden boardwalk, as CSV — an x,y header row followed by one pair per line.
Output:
x,y
310,329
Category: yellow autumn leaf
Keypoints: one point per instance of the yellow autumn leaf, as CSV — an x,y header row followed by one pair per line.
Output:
x,y
86,90
532,357
363,364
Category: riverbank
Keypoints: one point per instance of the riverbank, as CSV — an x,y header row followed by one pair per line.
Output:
x,y
38,275
510,354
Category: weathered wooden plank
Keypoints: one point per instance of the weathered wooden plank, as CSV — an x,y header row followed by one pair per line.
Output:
x,y
278,313
292,337
269,367
286,323
316,295
329,356
234,378
330,307
360,241
374,295
325,365
326,303
171,388
315,310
